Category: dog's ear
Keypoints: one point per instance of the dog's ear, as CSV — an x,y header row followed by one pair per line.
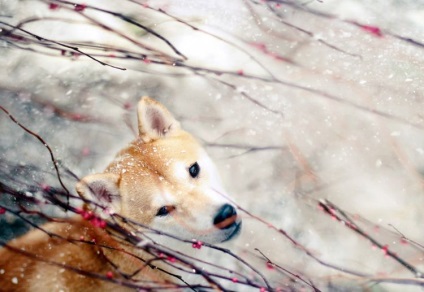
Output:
x,y
102,189
155,121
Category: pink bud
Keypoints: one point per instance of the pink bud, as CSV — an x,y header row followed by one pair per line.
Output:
x,y
53,6
102,224
87,215
385,249
80,7
171,259
269,266
376,31
128,105
45,187
85,151
97,222
198,244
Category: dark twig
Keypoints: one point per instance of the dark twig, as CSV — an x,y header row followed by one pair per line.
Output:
x,y
52,157
341,216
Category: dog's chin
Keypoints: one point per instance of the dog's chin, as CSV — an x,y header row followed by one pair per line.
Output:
x,y
217,236
233,231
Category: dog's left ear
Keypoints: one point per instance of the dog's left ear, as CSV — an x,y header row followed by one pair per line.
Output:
x,y
102,189
155,121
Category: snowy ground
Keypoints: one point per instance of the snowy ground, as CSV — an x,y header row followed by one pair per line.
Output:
x,y
297,104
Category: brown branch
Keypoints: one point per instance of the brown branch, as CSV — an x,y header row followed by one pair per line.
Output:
x,y
128,20
374,30
293,241
52,157
45,40
338,214
287,271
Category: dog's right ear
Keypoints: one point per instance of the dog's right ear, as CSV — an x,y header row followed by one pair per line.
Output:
x,y
102,189
155,121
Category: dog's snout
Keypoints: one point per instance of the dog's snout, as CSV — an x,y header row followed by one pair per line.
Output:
x,y
226,217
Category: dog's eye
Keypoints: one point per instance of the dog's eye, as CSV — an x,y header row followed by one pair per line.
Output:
x,y
194,170
165,210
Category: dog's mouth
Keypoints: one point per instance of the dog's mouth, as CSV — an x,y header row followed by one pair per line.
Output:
x,y
236,230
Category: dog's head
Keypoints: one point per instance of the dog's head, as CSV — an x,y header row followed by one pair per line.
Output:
x,y
165,180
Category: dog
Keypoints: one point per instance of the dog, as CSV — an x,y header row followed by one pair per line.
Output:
x,y
164,180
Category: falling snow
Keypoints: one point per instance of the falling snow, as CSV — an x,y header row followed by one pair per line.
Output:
x,y
312,110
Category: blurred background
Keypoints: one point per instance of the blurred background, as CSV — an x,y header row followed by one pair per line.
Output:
x,y
312,110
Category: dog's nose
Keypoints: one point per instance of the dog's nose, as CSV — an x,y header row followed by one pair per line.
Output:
x,y
225,217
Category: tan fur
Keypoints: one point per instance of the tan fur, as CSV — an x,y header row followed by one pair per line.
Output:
x,y
150,172
35,275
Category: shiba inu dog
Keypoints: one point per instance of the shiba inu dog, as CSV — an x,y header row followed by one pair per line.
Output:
x,y
164,179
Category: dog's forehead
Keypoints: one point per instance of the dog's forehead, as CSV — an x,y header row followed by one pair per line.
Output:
x,y
169,157
163,152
